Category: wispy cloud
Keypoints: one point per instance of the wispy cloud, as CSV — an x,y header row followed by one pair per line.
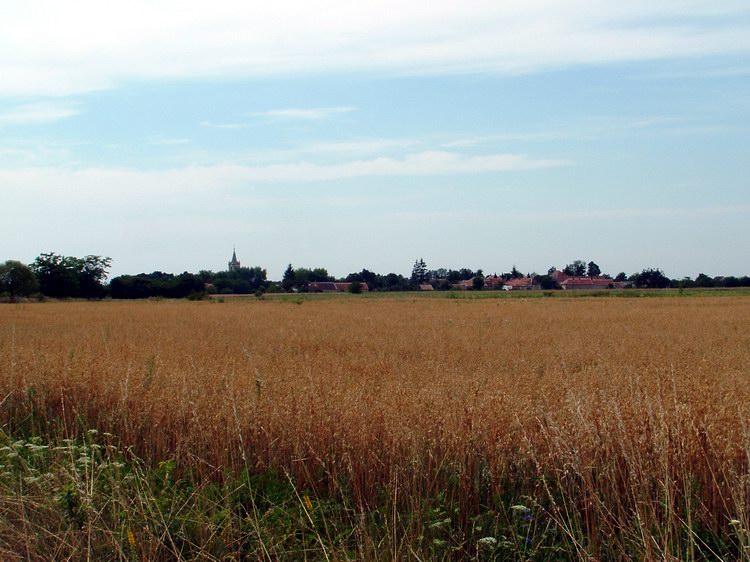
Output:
x,y
313,114
225,178
428,163
38,113
361,146
594,130
89,46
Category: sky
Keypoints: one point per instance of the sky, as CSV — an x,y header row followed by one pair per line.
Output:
x,y
348,135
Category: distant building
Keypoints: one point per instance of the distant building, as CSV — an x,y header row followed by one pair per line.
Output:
x,y
584,282
234,263
589,283
558,276
494,281
464,285
522,284
333,287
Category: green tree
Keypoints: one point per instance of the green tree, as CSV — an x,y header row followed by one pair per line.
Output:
x,y
704,281
547,282
242,281
651,279
463,274
92,272
17,279
477,282
57,275
157,284
419,272
575,269
593,270
395,282
289,279
355,287
68,276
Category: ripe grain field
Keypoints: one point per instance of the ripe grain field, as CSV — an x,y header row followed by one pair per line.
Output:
x,y
581,429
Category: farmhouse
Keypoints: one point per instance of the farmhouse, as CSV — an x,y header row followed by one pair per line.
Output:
x,y
587,283
522,284
494,281
333,287
465,285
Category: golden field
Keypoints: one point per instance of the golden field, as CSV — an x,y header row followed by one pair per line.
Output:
x,y
623,421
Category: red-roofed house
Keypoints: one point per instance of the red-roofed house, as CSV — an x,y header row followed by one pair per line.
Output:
x,y
588,283
465,285
558,276
332,287
494,282
522,284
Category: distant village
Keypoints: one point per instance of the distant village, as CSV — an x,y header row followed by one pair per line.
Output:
x,y
57,276
422,279
560,281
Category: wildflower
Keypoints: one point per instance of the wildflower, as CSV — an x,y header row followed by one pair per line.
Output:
x,y
131,537
487,541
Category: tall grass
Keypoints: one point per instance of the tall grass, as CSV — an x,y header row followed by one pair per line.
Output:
x,y
431,428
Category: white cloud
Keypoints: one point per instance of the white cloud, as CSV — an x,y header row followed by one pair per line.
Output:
x,y
315,114
37,113
49,47
128,185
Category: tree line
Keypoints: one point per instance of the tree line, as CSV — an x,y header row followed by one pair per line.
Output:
x,y
57,276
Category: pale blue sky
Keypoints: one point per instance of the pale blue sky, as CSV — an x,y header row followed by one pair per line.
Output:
x,y
349,135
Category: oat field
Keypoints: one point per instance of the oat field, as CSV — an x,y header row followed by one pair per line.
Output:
x,y
376,429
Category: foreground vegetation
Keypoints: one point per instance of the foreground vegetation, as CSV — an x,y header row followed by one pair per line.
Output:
x,y
368,429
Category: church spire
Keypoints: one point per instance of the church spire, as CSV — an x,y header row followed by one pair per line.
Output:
x,y
234,264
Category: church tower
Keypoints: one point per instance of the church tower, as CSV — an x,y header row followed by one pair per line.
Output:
x,y
234,264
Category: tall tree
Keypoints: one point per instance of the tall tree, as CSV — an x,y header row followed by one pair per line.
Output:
x,y
593,270
288,281
92,272
57,275
419,272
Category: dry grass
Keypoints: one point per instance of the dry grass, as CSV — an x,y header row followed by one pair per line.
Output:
x,y
625,422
